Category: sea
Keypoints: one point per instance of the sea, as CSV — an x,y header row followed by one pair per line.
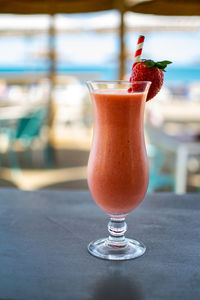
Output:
x,y
175,75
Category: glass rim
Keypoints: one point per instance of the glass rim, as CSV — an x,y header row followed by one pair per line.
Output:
x,y
116,81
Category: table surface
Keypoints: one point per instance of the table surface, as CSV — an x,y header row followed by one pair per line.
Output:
x,y
43,248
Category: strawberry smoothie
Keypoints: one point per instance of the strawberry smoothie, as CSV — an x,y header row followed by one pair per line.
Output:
x,y
118,172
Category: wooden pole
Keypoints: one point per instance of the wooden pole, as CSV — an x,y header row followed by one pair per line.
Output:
x,y
52,68
52,78
122,56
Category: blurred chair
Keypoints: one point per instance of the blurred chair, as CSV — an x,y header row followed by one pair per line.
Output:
x,y
158,180
28,129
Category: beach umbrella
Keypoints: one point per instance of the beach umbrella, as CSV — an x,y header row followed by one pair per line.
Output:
x,y
52,7
168,7
158,7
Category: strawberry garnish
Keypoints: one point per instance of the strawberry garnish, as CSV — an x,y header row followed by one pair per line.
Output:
x,y
148,70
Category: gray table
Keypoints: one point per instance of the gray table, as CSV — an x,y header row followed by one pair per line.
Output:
x,y
43,248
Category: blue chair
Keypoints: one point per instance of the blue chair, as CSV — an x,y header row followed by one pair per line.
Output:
x,y
29,127
27,130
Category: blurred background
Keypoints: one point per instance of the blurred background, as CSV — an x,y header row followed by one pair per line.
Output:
x,y
47,52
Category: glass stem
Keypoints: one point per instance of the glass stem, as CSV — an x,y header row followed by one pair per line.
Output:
x,y
117,228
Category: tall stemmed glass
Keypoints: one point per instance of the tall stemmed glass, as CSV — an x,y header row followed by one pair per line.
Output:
x,y
118,172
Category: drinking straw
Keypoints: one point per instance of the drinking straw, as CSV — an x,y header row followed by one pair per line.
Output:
x,y
137,56
138,51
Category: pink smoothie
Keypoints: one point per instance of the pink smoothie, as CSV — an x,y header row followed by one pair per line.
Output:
x,y
118,171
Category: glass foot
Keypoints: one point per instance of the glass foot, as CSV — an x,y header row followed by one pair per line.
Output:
x,y
102,249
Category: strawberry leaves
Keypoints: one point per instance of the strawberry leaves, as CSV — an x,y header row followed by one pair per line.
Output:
x,y
159,64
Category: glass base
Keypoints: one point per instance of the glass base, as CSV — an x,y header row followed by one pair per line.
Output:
x,y
102,249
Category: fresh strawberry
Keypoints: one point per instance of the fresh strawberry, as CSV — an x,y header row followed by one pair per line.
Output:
x,y
148,70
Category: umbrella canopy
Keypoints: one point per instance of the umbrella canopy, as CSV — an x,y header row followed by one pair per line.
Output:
x,y
168,7
158,7
55,7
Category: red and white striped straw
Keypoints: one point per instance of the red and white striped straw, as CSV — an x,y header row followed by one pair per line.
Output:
x,y
138,53
139,47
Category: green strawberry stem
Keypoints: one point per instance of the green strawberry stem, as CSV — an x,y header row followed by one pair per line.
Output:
x,y
159,64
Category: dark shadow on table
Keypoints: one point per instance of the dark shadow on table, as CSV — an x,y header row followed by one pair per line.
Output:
x,y
73,184
116,285
6,183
